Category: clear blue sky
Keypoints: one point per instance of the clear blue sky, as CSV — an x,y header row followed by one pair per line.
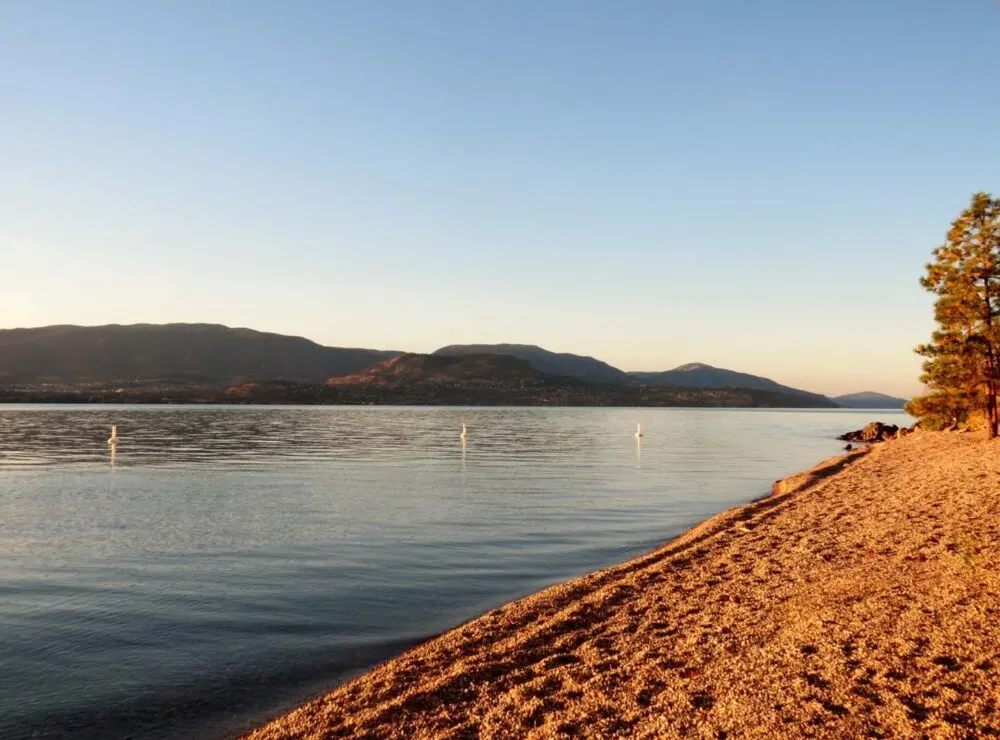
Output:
x,y
755,185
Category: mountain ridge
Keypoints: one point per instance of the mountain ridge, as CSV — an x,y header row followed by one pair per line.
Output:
x,y
107,353
181,356
869,400
412,367
702,375
582,367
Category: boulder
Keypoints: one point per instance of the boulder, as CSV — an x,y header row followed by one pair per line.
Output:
x,y
874,431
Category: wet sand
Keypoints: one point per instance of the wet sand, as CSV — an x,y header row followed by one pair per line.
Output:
x,y
861,599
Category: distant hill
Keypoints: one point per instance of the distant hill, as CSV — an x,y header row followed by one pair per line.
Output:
x,y
413,368
699,375
869,400
550,363
191,352
147,363
214,364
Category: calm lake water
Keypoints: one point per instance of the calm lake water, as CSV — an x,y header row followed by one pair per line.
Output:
x,y
221,564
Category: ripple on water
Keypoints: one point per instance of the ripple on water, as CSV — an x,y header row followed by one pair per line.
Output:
x,y
219,563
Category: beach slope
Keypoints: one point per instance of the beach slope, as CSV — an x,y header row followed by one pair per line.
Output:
x,y
861,599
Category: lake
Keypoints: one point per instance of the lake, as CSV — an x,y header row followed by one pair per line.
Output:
x,y
220,564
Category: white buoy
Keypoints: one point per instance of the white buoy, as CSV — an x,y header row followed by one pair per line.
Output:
x,y
638,431
113,439
464,435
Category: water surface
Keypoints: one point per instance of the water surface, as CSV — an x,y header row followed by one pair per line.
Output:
x,y
221,563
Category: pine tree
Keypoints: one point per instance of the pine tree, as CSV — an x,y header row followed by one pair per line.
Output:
x,y
962,369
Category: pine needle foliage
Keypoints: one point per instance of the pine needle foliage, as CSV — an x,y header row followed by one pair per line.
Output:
x,y
962,367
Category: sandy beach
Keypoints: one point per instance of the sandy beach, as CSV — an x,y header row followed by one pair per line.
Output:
x,y
861,599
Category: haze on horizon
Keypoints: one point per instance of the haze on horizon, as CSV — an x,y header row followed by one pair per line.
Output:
x,y
756,187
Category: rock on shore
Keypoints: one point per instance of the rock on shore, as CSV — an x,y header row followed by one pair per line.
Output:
x,y
874,431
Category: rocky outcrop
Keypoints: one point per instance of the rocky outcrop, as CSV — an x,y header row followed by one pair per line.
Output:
x,y
874,431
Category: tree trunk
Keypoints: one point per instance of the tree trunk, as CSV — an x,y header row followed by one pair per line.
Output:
x,y
991,395
991,360
991,407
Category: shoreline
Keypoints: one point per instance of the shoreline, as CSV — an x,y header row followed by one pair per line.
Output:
x,y
688,400
860,597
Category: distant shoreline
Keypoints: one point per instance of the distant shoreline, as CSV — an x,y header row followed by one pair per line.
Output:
x,y
457,404
425,394
820,608
498,405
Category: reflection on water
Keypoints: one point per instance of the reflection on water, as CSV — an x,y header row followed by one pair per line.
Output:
x,y
216,564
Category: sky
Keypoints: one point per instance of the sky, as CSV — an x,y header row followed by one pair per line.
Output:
x,y
751,185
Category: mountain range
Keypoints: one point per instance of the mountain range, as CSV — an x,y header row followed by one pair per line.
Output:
x,y
211,356
188,352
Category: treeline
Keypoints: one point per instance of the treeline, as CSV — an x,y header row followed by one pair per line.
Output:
x,y
549,393
962,367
